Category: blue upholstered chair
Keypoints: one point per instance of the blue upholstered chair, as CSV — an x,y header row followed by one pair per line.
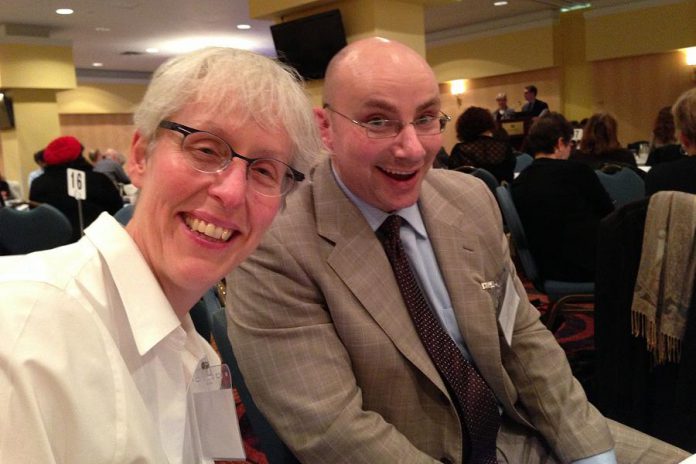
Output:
x,y
560,293
482,174
40,228
623,185
522,162
271,445
124,214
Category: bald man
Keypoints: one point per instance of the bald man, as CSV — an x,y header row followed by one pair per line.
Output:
x,y
324,338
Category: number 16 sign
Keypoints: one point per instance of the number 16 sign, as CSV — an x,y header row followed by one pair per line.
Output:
x,y
77,184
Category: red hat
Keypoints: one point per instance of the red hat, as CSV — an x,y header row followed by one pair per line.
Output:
x,y
62,150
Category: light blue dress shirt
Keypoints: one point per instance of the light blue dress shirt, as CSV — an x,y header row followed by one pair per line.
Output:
x,y
424,264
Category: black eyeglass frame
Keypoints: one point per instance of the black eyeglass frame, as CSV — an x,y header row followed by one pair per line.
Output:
x,y
297,176
443,118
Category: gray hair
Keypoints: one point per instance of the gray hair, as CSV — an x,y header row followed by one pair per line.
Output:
x,y
684,111
237,83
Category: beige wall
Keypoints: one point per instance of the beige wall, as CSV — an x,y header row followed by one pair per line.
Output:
x,y
99,130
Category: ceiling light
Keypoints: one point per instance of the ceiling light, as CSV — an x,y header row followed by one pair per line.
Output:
x,y
500,3
243,26
152,50
97,64
64,11
577,6
102,29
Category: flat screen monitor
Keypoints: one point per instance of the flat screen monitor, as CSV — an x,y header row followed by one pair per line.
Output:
x,y
309,43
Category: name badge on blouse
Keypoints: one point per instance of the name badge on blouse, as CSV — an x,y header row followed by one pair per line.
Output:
x,y
506,300
214,424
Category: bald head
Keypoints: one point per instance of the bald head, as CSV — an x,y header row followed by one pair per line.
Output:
x,y
382,121
367,58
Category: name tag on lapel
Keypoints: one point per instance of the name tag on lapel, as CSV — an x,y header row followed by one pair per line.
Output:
x,y
506,300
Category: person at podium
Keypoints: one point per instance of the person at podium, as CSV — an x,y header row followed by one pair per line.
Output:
x,y
533,107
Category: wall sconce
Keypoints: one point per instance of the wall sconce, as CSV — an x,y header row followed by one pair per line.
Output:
x,y
691,61
458,87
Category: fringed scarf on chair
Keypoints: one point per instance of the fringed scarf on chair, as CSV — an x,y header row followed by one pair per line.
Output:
x,y
666,274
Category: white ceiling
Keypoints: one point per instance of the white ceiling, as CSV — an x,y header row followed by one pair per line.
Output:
x,y
172,25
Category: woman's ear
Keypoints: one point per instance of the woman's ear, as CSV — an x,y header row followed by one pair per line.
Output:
x,y
137,161
324,125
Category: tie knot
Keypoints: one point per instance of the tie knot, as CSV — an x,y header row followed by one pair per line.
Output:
x,y
390,227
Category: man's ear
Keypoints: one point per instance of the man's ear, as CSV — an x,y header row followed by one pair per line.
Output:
x,y
324,125
137,161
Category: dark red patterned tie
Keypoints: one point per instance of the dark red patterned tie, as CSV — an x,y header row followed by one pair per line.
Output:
x,y
478,410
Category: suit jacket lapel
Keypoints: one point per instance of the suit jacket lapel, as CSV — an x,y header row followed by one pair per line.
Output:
x,y
359,261
460,259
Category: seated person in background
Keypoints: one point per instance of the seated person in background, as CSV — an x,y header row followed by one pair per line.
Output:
x,y
110,163
97,347
503,112
39,160
326,340
560,203
52,186
678,175
478,148
441,160
600,145
533,107
5,192
664,146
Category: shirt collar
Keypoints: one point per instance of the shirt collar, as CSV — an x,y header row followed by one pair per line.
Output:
x,y
150,315
375,216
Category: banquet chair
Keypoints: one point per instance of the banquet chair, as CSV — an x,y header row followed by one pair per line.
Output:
x,y
522,162
560,293
628,385
272,446
40,228
482,174
622,185
124,214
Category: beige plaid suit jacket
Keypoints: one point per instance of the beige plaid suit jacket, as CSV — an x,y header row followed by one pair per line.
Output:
x,y
330,354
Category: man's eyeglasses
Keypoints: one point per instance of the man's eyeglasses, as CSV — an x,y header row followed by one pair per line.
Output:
x,y
386,128
207,152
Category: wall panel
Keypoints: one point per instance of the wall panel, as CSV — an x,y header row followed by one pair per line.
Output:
x,y
100,130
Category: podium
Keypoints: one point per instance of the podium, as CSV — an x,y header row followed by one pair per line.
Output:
x,y
517,129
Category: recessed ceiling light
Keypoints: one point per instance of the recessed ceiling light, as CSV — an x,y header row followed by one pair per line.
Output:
x,y
97,64
243,26
501,3
152,50
64,11
577,6
102,29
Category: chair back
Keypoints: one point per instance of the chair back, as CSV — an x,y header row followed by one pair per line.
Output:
x,y
270,443
487,177
623,186
124,214
519,238
40,228
522,162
